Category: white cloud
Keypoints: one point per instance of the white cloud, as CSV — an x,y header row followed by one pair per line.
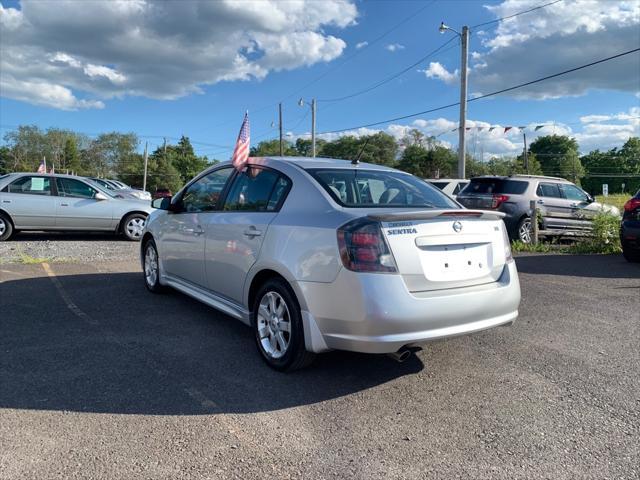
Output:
x,y
75,56
360,45
394,47
437,71
563,35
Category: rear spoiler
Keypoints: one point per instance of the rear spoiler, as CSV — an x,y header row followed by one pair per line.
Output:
x,y
429,214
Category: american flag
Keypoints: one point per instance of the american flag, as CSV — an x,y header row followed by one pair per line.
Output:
x,y
43,166
241,152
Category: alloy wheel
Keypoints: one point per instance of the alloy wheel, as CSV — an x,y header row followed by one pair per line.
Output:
x,y
274,324
3,227
151,266
525,231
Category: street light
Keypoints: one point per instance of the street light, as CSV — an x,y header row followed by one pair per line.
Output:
x,y
302,103
464,40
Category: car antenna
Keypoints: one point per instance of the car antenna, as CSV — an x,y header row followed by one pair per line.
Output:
x,y
356,160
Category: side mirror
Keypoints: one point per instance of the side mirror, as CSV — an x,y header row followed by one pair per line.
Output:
x,y
163,203
100,196
590,199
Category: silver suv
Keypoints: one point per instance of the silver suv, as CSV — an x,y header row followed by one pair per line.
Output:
x,y
562,205
321,254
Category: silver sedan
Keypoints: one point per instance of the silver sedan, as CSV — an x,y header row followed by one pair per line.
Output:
x,y
32,201
322,254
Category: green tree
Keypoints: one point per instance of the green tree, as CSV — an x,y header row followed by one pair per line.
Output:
x,y
436,162
184,159
71,158
304,148
5,160
380,148
272,148
558,156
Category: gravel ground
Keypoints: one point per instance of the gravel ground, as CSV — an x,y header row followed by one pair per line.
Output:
x,y
100,379
65,247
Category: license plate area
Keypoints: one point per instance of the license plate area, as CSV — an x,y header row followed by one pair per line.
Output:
x,y
456,262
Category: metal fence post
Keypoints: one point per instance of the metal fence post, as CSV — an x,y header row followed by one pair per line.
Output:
x,y
534,222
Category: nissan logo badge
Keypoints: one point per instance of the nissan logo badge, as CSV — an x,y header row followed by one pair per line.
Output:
x,y
457,226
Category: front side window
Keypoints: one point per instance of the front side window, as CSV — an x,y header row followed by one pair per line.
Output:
x,y
549,190
375,189
257,190
31,186
203,195
68,187
571,192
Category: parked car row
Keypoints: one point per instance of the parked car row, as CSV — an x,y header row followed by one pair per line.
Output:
x,y
52,202
121,190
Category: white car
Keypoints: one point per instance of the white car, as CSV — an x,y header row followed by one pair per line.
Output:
x,y
321,254
450,186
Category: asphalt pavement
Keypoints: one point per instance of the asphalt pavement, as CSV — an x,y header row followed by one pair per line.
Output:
x,y
101,379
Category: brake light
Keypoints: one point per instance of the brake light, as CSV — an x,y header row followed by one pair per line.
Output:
x,y
632,204
363,248
507,244
498,200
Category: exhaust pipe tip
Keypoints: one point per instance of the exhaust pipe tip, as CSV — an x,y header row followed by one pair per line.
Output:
x,y
401,355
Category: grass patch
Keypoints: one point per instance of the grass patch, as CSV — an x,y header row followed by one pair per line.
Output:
x,y
29,260
521,247
617,200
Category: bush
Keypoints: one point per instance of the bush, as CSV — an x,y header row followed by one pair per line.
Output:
x,y
605,236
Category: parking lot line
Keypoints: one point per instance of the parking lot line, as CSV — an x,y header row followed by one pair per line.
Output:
x,y
65,296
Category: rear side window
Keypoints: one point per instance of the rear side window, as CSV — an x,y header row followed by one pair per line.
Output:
x,y
495,185
549,190
440,185
31,186
257,190
459,187
375,189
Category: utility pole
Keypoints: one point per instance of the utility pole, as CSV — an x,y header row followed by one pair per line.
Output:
x,y
526,157
280,124
164,147
313,127
464,38
146,162
462,127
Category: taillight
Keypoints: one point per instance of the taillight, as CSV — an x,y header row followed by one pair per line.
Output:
x,y
498,200
507,244
363,248
632,204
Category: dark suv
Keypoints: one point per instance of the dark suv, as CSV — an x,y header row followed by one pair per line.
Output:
x,y
561,204
630,229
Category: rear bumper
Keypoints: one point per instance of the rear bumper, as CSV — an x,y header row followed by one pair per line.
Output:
x,y
375,313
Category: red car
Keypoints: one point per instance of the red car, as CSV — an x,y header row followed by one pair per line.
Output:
x,y
162,193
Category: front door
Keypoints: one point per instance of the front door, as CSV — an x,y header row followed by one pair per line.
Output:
x,y
77,207
578,201
30,203
183,238
556,212
234,236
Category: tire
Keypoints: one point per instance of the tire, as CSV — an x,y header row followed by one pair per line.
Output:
x,y
132,226
151,268
282,350
6,227
632,256
524,230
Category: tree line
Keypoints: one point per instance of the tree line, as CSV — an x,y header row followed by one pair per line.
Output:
x,y
109,155
117,155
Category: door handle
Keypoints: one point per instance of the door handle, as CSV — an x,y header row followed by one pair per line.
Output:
x,y
541,202
252,232
573,205
196,231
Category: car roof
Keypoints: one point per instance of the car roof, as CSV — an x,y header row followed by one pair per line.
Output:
x,y
311,163
520,177
447,179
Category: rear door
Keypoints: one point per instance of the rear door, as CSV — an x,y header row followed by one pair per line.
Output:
x,y
234,236
30,202
78,209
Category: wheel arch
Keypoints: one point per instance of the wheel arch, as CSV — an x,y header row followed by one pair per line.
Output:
x,y
261,275
6,214
131,212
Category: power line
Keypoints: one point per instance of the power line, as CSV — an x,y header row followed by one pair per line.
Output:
x,y
392,77
431,110
497,20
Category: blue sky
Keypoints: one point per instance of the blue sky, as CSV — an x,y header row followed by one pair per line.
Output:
x,y
84,68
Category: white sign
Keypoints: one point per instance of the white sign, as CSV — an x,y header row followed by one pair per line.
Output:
x,y
605,189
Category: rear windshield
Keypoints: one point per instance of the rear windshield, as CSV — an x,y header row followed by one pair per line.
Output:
x,y
380,189
495,185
